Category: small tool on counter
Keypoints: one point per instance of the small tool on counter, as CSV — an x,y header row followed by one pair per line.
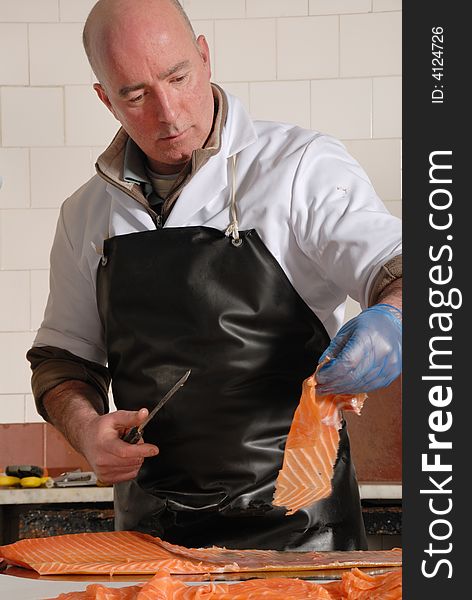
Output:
x,y
75,478
25,476
25,471
135,433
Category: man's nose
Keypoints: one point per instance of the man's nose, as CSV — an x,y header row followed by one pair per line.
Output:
x,y
166,106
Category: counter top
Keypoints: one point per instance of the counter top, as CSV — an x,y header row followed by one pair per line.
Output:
x,y
380,491
56,495
35,589
21,588
368,491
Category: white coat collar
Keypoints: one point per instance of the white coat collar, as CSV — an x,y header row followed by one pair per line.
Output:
x,y
238,133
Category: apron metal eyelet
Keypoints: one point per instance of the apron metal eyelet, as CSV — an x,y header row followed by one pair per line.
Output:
x,y
237,242
104,260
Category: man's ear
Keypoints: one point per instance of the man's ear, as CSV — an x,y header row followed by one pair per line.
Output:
x,y
104,98
204,50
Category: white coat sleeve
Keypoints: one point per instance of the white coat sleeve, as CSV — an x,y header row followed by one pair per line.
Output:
x,y
71,319
339,222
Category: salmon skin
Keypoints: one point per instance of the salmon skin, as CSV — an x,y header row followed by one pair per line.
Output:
x,y
134,553
354,585
312,447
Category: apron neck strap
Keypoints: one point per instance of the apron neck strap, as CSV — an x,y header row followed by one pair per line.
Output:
x,y
233,228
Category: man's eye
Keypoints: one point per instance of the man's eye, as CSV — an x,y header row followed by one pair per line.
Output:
x,y
137,98
180,78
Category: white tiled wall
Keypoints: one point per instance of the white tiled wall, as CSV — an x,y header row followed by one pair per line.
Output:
x,y
332,65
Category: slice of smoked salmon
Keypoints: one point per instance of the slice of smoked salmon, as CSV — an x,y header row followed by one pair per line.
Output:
x,y
133,553
312,447
97,591
355,585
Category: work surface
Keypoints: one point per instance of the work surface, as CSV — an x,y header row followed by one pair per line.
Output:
x,y
18,588
20,584
71,562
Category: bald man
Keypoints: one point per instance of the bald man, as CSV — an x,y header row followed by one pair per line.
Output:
x,y
211,242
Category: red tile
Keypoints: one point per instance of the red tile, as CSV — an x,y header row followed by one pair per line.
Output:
x,y
376,436
22,444
60,456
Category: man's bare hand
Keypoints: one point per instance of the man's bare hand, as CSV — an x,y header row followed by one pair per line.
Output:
x,y
112,459
70,407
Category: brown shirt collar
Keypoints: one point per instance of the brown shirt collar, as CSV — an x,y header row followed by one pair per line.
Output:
x,y
110,163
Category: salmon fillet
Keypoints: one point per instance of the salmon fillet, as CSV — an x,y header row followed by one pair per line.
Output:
x,y
355,585
134,553
312,447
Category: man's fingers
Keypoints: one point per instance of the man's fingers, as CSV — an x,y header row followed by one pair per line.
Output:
x,y
123,419
123,466
123,450
109,476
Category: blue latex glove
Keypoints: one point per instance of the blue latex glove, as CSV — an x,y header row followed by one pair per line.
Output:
x,y
365,354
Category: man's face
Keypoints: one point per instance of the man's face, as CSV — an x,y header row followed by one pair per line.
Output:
x,y
156,81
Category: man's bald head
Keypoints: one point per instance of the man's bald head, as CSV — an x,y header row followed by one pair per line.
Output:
x,y
106,12
154,76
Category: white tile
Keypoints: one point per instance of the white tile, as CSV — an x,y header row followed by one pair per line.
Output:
x,y
245,50
26,237
32,116
29,11
353,308
214,9
387,107
395,207
371,44
381,160
335,7
75,11
14,45
56,54
71,170
342,107
15,372
207,29
381,5
240,90
14,301
31,414
307,47
88,121
15,172
39,296
12,410
276,8
286,101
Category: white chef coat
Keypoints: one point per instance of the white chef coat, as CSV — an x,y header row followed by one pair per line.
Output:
x,y
308,199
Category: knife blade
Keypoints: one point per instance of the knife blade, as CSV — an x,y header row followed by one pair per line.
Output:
x,y
135,433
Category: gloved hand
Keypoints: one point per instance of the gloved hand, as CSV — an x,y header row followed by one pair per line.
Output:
x,y
365,354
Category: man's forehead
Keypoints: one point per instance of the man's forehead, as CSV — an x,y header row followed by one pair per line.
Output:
x,y
141,32
123,38
127,89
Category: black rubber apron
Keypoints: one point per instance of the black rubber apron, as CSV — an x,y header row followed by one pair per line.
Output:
x,y
191,297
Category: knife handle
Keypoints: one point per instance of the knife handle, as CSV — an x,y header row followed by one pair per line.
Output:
x,y
132,436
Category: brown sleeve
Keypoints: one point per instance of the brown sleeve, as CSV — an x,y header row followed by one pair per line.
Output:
x,y
390,271
52,366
